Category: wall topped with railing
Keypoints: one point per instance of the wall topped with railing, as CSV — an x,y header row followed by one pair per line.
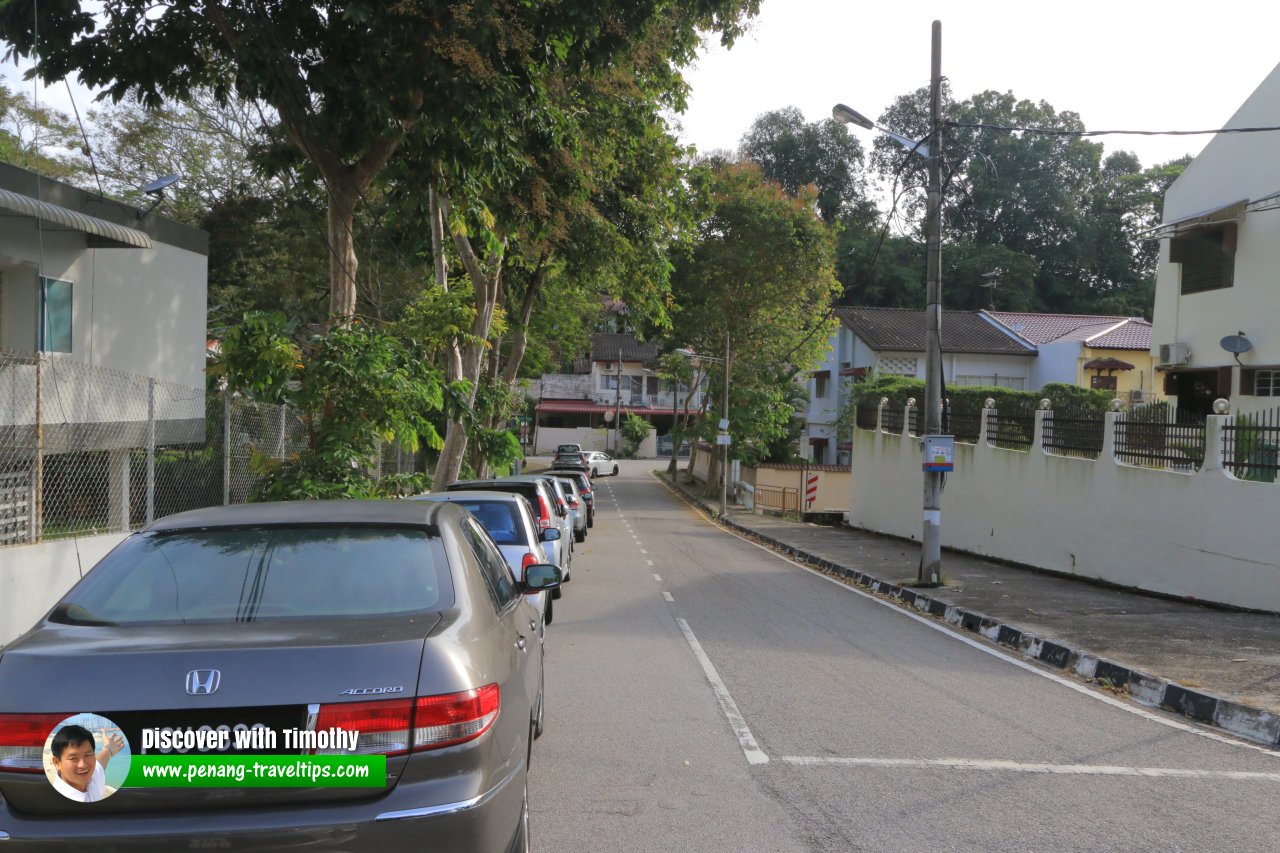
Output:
x,y
1148,498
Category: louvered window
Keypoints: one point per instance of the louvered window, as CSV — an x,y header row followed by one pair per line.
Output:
x,y
1207,256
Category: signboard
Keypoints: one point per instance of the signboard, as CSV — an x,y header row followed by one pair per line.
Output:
x,y
723,438
939,452
810,489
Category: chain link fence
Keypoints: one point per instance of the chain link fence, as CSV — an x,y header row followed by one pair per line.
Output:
x,y
86,450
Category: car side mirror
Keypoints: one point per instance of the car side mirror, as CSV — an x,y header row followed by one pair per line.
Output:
x,y
550,534
540,577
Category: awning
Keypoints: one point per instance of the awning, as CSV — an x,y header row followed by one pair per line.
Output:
x,y
74,220
821,374
818,442
1267,202
1107,364
1227,213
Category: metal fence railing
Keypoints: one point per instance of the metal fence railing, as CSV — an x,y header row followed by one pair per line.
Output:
x,y
1251,446
913,420
87,450
1158,436
891,419
1011,429
963,421
778,498
1070,431
865,417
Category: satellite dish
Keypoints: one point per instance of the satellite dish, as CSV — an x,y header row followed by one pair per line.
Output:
x,y
1236,344
159,184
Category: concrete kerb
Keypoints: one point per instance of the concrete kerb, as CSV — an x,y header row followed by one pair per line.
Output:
x,y
1239,719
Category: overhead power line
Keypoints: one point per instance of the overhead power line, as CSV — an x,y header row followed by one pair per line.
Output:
x,y
1042,131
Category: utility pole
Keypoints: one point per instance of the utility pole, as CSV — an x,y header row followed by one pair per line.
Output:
x,y
931,540
724,425
617,410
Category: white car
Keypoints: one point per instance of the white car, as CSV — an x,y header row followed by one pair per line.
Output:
x,y
509,521
601,464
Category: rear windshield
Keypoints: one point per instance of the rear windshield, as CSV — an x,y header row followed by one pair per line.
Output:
x,y
263,574
500,518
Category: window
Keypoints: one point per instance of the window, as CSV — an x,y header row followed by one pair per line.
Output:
x,y
819,387
609,382
1105,383
497,574
989,381
54,321
636,385
1207,256
897,365
1262,383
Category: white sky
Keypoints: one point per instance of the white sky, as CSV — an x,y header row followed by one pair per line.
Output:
x,y
1123,64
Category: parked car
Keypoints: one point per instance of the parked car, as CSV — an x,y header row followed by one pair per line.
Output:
x,y
399,619
577,506
584,488
601,464
552,512
509,520
568,522
568,448
571,459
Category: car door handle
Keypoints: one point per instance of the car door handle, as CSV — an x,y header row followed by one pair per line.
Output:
x,y
521,642
533,626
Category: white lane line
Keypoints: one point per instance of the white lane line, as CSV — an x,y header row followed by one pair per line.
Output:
x,y
943,628
667,596
1001,766
643,551
746,740
648,562
657,577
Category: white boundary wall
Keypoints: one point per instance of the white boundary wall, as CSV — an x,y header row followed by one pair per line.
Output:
x,y
34,577
548,438
1206,536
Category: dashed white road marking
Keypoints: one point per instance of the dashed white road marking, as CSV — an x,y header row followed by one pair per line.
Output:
x,y
746,740
657,577
667,596
1001,766
643,551
648,562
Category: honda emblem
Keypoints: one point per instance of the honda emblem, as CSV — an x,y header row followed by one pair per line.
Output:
x,y
202,682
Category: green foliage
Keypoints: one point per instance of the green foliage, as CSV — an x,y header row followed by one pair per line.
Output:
x,y
40,139
353,389
635,430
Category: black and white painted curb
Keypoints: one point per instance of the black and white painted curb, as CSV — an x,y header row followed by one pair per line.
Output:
x,y
1241,720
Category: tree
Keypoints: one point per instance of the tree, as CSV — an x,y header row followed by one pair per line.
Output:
x,y
39,139
795,154
758,271
352,80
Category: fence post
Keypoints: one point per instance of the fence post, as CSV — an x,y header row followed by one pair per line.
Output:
x,y
1213,439
983,437
1037,432
151,450
37,515
226,447
884,401
1109,436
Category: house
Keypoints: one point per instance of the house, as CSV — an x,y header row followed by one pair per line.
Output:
x,y
891,341
616,378
102,343
1215,331
1089,350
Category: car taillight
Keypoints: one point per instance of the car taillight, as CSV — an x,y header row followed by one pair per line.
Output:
x,y
385,725
544,512
454,718
529,559
22,738
573,502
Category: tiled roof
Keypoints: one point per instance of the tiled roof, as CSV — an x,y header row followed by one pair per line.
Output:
x,y
606,346
903,329
1131,334
1045,328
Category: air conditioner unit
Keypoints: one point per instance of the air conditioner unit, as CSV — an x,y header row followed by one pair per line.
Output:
x,y
1136,395
1175,354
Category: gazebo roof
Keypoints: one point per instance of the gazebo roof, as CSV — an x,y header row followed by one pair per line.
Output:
x,y
1107,364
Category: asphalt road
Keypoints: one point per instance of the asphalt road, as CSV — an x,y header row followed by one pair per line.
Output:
x,y
704,694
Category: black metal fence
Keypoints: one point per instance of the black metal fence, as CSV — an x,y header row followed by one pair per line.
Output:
x,y
1074,431
913,420
1251,446
1157,436
964,421
1011,429
866,416
891,419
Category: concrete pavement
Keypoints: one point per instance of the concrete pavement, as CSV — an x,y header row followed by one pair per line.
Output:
x,y
1215,665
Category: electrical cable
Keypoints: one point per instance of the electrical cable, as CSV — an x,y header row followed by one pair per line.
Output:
x,y
88,149
1042,131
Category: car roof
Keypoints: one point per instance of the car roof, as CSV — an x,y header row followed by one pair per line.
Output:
x,y
473,495
301,513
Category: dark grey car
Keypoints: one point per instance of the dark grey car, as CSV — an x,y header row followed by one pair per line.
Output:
x,y
402,615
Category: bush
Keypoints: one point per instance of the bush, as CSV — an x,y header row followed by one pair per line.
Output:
x,y
635,430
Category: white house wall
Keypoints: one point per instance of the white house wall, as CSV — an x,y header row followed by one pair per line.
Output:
x,y
1231,167
1056,363
140,311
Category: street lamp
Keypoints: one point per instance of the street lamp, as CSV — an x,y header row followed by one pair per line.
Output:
x,y
931,541
723,438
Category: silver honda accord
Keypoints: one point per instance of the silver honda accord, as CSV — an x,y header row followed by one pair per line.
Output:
x,y
399,620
